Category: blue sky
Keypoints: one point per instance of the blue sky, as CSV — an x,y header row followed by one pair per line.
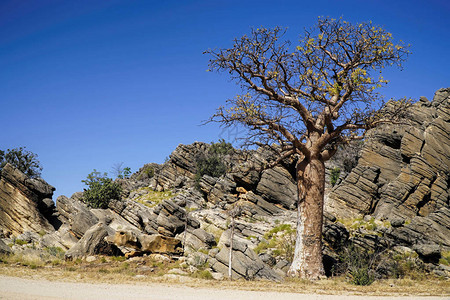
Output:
x,y
88,84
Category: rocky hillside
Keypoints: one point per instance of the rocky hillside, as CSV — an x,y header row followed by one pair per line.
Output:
x,y
396,198
403,177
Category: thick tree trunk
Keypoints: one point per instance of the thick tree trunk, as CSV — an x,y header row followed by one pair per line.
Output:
x,y
307,261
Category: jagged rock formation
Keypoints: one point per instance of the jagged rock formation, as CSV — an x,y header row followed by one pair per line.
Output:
x,y
25,203
403,176
396,196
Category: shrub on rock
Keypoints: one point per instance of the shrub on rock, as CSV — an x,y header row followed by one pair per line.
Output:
x,y
101,190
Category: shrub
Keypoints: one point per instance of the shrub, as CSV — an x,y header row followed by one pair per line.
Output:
x,y
211,163
203,274
362,276
212,166
149,171
359,264
334,177
445,258
120,171
20,242
220,148
24,160
101,190
281,239
55,251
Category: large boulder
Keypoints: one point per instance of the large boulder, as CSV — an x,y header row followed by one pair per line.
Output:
x,y
93,243
131,241
76,214
160,244
278,187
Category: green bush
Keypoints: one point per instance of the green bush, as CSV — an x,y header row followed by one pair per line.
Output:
x,y
281,239
220,148
212,166
20,242
203,274
445,258
24,160
101,190
55,251
211,163
359,264
334,177
362,276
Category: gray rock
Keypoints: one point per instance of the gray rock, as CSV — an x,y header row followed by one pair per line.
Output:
x,y
40,187
197,259
283,264
277,186
193,243
81,221
430,253
247,265
267,259
93,243
4,249
336,235
403,176
397,221
205,237
29,237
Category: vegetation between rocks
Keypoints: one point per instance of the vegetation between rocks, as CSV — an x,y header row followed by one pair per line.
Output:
x,y
211,163
101,190
151,198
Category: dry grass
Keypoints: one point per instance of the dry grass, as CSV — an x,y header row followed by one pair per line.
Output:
x,y
147,270
152,198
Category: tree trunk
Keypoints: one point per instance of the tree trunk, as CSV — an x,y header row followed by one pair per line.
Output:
x,y
307,262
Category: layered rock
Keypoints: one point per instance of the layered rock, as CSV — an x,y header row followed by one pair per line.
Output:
x,y
25,204
399,190
403,176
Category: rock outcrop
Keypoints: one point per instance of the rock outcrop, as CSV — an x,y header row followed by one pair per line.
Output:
x,y
397,196
403,176
93,242
25,204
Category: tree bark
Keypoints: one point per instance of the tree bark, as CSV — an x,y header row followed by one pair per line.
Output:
x,y
307,262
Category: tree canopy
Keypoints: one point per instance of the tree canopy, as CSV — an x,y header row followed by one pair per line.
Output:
x,y
307,100
325,84
22,159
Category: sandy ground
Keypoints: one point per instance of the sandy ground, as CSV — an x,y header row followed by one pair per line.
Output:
x,y
27,289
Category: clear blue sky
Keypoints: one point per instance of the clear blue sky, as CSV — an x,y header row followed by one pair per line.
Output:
x,y
87,84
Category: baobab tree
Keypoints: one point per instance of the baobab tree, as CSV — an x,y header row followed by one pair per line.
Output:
x,y
308,100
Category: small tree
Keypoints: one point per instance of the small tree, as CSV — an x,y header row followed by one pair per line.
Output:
x,y
309,100
211,162
22,159
120,171
101,190
334,176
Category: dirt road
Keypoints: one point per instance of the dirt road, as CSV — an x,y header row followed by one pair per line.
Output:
x,y
26,289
